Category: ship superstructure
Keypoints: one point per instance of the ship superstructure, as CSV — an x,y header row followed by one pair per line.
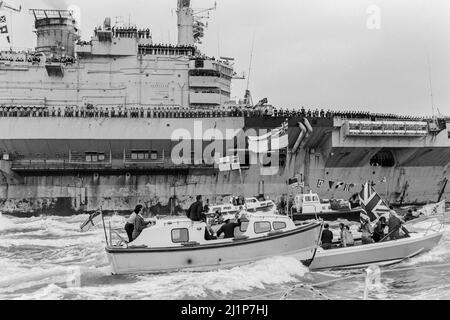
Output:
x,y
85,124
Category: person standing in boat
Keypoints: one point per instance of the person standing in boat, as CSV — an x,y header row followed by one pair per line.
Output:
x,y
139,225
378,233
366,232
349,241
129,226
395,224
195,211
327,237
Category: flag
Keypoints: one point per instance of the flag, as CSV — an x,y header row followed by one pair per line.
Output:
x,y
280,137
320,183
229,163
259,144
93,219
269,171
349,187
2,19
340,184
293,182
225,164
235,163
372,203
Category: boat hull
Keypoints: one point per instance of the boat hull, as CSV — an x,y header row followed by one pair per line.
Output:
x,y
377,253
350,215
300,243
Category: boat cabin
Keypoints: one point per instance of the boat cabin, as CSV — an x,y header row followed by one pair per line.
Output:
x,y
311,203
184,232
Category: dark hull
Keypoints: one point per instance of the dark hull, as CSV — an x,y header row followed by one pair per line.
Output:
x,y
350,215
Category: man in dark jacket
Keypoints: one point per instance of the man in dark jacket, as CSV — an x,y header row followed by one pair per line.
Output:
x,y
327,237
395,224
228,229
195,211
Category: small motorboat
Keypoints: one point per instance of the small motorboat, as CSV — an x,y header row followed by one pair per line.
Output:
x,y
180,244
382,253
309,206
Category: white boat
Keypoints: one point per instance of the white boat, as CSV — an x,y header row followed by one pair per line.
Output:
x,y
377,253
228,211
179,244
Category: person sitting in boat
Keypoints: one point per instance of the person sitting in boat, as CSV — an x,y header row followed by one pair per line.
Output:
x,y
327,237
228,229
366,232
129,226
378,233
349,241
139,225
341,234
209,233
409,216
395,224
195,211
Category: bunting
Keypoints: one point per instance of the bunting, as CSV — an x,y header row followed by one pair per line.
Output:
x,y
320,182
4,28
345,186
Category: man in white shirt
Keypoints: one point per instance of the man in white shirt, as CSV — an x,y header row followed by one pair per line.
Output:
x,y
129,227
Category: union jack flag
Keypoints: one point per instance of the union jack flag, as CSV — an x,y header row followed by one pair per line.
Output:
x,y
372,203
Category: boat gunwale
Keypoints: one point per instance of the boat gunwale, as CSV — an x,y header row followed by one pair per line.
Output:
x,y
233,243
327,254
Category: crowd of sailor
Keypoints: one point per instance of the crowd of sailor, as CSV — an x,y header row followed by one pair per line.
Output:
x,y
35,59
89,111
126,32
160,49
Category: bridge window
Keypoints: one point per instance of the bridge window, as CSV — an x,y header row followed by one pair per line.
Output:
x,y
383,159
95,157
140,155
180,235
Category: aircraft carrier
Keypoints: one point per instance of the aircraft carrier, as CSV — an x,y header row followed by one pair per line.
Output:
x,y
121,120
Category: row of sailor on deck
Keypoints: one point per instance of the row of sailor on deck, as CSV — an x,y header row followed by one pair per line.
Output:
x,y
89,111
369,234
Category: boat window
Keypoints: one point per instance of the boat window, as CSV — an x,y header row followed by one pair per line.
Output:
x,y
279,225
244,226
316,199
180,235
262,227
308,199
266,209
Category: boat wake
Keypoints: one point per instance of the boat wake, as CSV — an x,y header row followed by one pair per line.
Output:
x,y
50,258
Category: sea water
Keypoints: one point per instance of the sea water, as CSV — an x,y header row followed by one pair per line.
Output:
x,y
50,258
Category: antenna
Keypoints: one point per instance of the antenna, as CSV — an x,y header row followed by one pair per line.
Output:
x,y
431,84
251,61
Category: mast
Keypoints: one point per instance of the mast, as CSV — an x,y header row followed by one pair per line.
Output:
x,y
185,23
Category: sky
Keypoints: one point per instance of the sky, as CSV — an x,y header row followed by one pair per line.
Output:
x,y
312,53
